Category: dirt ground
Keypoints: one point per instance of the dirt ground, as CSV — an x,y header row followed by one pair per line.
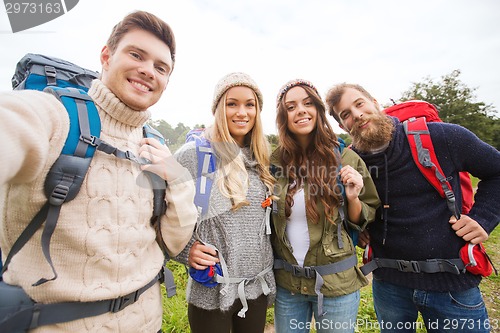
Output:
x,y
269,329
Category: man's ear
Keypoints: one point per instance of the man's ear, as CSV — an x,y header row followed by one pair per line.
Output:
x,y
105,55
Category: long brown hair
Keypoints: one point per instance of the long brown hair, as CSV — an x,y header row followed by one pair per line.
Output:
x,y
319,163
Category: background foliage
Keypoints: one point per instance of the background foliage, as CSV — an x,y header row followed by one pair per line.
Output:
x,y
455,101
457,104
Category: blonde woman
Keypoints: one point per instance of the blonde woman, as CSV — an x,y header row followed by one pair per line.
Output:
x,y
231,244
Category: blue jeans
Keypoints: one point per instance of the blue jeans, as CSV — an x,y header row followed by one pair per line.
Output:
x,y
293,313
397,309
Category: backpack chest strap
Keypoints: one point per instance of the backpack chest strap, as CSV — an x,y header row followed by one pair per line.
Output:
x,y
226,280
242,282
454,266
31,316
317,273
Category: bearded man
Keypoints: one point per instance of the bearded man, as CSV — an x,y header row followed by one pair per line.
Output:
x,y
414,224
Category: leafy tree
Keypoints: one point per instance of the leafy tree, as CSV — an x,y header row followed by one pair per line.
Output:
x,y
273,141
457,104
165,129
346,137
181,129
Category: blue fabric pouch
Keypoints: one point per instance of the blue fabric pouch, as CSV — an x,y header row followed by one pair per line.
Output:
x,y
206,277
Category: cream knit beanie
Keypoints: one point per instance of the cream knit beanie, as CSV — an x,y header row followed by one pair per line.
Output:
x,y
234,80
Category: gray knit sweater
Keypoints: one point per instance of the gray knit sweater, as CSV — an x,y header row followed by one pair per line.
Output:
x,y
239,235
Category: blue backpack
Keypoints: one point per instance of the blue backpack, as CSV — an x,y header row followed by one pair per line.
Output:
x,y
70,84
206,169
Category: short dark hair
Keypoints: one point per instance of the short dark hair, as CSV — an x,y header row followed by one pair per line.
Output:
x,y
144,21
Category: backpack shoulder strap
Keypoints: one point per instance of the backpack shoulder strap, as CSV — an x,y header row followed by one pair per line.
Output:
x,y
205,169
342,145
66,175
205,174
158,183
343,202
426,160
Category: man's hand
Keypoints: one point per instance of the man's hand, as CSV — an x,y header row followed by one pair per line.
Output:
x,y
468,229
162,162
363,239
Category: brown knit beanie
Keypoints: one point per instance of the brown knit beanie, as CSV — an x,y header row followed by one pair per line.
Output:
x,y
234,80
293,83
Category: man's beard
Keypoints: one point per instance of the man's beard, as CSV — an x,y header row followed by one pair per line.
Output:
x,y
375,136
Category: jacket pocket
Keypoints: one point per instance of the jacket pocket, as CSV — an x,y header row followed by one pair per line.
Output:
x,y
332,248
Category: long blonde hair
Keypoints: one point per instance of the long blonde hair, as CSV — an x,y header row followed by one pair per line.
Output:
x,y
231,175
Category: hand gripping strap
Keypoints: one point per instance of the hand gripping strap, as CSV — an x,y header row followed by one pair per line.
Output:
x,y
342,209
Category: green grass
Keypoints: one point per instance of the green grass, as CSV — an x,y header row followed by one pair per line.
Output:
x,y
175,308
490,286
474,181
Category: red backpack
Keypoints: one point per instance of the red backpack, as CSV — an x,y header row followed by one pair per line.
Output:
x,y
415,115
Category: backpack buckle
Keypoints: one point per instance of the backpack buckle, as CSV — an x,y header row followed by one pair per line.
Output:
x,y
89,140
450,196
120,303
50,73
307,272
58,195
408,266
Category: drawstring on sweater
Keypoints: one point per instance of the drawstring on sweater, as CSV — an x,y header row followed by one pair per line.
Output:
x,y
385,207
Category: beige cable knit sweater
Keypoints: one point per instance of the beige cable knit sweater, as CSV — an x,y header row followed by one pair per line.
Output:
x,y
103,246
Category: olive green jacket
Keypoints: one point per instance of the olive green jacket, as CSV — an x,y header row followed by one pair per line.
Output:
x,y
323,248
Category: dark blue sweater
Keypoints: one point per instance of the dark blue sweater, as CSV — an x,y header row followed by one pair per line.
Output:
x,y
417,223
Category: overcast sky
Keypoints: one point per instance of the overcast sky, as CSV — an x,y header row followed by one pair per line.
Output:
x,y
384,45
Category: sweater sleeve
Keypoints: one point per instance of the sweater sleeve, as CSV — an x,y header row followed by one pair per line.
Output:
x,y
481,160
180,218
368,196
181,214
33,123
187,214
